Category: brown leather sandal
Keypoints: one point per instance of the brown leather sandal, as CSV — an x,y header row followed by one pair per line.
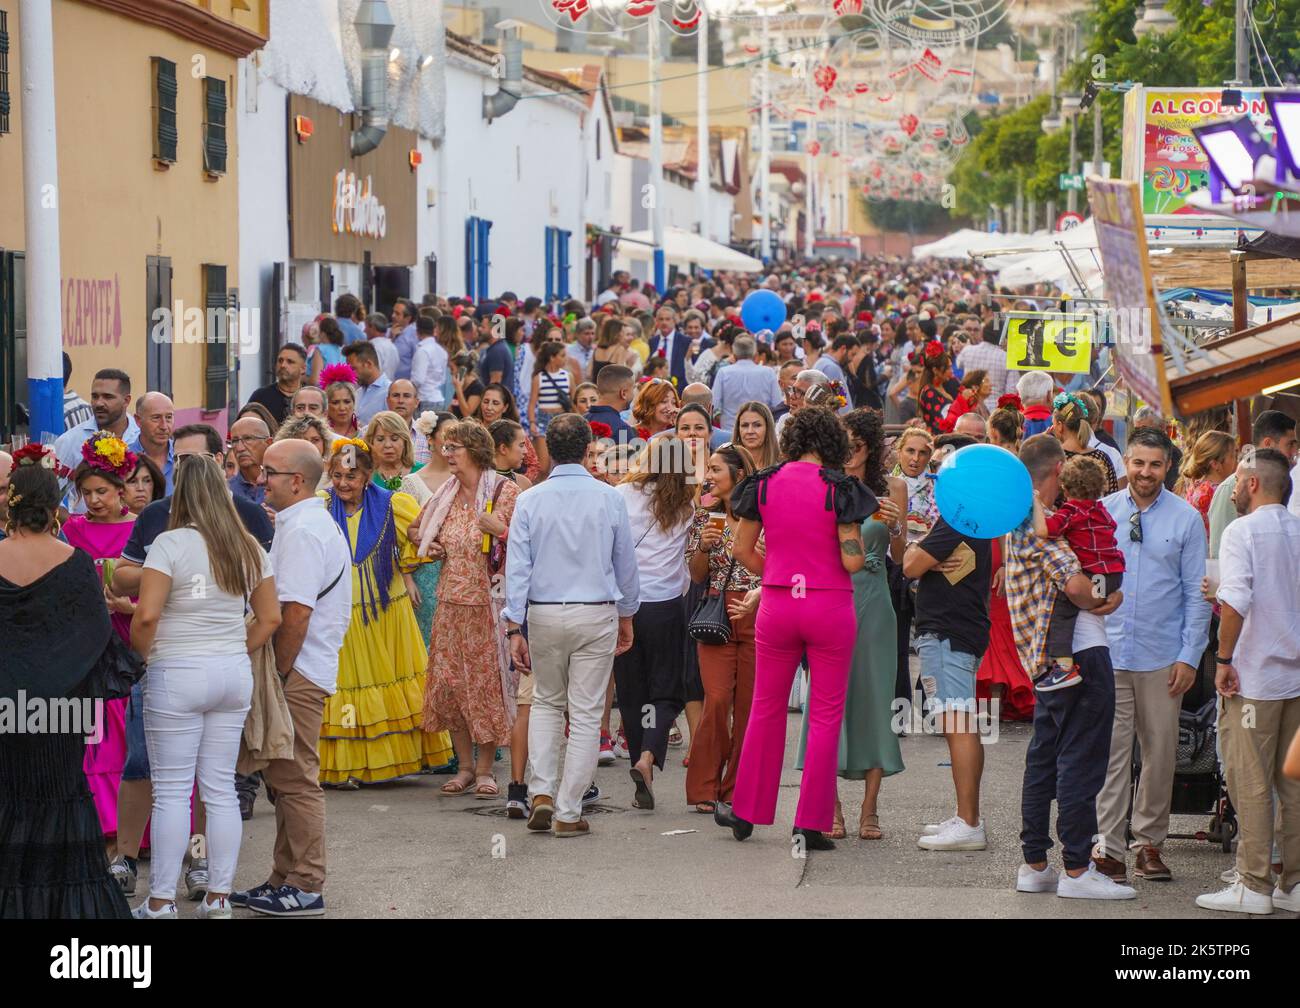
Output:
x,y
837,826
869,828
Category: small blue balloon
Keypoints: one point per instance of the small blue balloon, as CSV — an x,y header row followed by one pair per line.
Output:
x,y
762,309
983,491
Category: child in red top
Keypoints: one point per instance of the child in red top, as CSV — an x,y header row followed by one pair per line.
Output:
x,y
1090,530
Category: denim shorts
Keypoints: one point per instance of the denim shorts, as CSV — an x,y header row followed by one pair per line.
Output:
x,y
947,676
137,755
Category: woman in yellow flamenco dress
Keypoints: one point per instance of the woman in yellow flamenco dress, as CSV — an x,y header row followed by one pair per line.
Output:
x,y
371,730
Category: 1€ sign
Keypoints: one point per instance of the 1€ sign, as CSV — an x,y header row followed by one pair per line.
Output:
x,y
1048,341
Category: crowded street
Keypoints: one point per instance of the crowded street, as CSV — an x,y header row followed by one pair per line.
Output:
x,y
871,500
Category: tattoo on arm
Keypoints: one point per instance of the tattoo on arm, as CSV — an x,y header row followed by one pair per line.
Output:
x,y
850,547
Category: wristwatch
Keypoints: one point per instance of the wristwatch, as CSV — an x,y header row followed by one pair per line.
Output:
x,y
1223,661
514,633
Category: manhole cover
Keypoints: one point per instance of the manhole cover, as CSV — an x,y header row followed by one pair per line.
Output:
x,y
500,810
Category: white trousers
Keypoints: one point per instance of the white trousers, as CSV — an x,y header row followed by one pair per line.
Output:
x,y
572,652
194,711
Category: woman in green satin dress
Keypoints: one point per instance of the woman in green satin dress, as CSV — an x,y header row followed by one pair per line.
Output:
x,y
869,748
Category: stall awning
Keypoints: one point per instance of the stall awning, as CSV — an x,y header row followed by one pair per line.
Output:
x,y
1239,365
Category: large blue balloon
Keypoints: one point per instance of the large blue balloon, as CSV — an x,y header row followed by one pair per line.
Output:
x,y
762,309
983,491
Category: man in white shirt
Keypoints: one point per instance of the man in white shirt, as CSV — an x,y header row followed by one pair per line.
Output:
x,y
1257,674
428,366
583,346
313,579
372,383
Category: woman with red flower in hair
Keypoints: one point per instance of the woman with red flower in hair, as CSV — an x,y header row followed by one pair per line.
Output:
x,y
933,399
975,385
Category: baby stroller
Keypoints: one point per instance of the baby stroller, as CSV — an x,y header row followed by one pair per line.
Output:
x,y
1199,787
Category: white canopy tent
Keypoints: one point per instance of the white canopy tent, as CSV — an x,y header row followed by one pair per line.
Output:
x,y
960,244
685,247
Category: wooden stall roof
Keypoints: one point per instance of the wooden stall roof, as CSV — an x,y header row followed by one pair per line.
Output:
x,y
1212,269
1239,365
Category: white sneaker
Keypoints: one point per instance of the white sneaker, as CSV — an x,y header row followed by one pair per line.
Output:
x,y
956,836
1230,876
1236,899
1287,901
1030,880
142,912
1092,884
934,829
217,910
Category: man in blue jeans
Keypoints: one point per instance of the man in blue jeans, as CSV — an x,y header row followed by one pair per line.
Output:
x,y
1068,753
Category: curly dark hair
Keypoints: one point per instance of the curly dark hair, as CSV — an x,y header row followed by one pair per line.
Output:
x,y
815,429
567,437
868,427
33,498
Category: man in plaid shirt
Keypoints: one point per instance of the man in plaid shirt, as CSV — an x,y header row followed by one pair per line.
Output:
x,y
1070,748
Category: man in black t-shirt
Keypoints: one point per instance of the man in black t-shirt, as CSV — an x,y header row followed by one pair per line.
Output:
x,y
952,633
290,365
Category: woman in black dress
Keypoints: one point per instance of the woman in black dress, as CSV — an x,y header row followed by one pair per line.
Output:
x,y
59,646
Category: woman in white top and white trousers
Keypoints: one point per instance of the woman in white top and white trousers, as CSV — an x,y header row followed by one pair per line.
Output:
x,y
201,575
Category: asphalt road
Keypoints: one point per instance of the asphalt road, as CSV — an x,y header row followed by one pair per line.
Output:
x,y
402,850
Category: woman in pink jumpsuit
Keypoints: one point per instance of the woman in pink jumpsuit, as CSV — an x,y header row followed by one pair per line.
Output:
x,y
809,511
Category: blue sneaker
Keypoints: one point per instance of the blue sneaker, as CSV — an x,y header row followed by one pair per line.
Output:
x,y
1058,678
591,795
289,901
240,899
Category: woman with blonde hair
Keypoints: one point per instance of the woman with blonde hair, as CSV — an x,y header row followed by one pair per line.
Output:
x,y
755,431
371,731
470,685
655,408
1070,426
341,408
392,448
199,577
1212,459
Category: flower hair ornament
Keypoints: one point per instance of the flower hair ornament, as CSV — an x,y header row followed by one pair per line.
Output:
x,y
933,349
1069,398
338,373
830,394
108,453
34,453
356,443
426,423
1011,401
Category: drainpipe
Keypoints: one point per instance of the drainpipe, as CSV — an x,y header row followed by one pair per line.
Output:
x,y
374,24
512,71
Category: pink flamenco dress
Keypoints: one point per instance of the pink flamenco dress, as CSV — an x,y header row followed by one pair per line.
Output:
x,y
103,541
1001,663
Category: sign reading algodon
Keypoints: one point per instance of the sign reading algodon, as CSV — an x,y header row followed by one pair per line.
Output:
x,y
343,207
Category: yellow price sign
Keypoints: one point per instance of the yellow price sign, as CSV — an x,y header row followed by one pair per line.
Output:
x,y
1049,341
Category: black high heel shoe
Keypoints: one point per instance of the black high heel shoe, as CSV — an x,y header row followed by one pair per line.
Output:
x,y
726,818
812,839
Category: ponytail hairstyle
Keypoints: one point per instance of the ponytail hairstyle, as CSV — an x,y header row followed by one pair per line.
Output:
x,y
934,363
1072,412
1210,447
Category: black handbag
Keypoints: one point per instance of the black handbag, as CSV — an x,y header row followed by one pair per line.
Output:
x,y
710,623
117,670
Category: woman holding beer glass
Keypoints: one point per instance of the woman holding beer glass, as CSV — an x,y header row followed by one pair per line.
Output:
x,y
726,670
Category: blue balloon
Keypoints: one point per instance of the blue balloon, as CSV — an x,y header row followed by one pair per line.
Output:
x,y
762,309
983,491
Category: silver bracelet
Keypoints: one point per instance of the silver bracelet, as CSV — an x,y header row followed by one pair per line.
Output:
x,y
895,530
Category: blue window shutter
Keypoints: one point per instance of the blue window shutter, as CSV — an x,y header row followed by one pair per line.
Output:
x,y
484,258
563,238
470,234
550,265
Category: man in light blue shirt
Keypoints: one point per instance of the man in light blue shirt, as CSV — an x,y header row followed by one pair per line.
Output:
x,y
1157,638
347,311
155,415
404,335
571,568
110,395
372,383
744,381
